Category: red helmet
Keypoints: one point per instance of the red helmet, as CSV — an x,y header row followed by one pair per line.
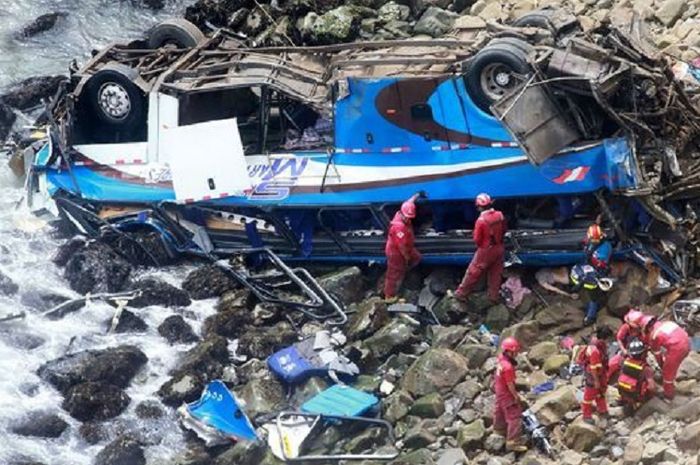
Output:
x,y
483,200
595,233
510,344
408,209
634,318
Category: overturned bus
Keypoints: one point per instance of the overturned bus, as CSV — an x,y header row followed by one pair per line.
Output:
x,y
213,147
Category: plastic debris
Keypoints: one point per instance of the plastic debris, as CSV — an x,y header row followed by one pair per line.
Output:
x,y
513,292
543,387
537,432
340,400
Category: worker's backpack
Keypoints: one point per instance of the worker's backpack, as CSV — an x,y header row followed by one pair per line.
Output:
x,y
631,384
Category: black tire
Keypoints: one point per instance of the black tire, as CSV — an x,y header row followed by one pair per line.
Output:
x,y
112,97
498,58
176,32
539,18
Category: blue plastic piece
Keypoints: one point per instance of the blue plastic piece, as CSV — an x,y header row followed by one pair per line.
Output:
x,y
218,409
292,367
341,401
543,387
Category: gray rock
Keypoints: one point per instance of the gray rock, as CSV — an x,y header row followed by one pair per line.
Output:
x,y
365,440
452,457
540,352
116,366
262,395
476,354
690,411
471,436
497,318
392,11
129,322
435,22
207,282
7,119
669,11
418,457
435,370
397,406
97,268
560,318
262,341
340,24
369,316
526,332
149,409
469,22
176,330
430,406
157,292
469,389
418,437
653,453
553,364
633,450
7,286
122,451
346,284
550,408
30,92
41,425
95,401
390,339
689,437
494,443
447,336
582,437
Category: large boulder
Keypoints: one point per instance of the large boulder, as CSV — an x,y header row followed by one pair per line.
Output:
x,y
259,342
690,411
122,451
476,354
115,366
435,22
29,92
554,363
560,318
526,332
447,336
497,318
7,285
157,292
689,437
471,436
390,339
176,330
41,24
207,282
95,401
370,315
230,322
582,437
97,268
435,370
340,24
41,425
262,395
542,351
553,406
346,284
430,406
669,11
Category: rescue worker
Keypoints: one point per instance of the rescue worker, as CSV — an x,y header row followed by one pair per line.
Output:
x,y
670,345
631,329
489,230
597,249
585,278
507,410
636,382
400,249
594,361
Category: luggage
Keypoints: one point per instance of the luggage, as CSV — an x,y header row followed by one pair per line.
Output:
x,y
340,400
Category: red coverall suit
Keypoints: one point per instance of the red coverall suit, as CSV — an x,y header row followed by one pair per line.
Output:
x,y
624,335
507,411
594,359
674,340
401,254
489,230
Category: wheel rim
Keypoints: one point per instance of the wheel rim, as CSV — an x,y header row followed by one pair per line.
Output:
x,y
114,100
497,79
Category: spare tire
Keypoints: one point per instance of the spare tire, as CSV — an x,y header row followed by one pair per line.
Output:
x,y
494,71
538,18
112,96
179,33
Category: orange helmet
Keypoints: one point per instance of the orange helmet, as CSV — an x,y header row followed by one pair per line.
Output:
x,y
408,209
634,318
483,200
510,344
595,233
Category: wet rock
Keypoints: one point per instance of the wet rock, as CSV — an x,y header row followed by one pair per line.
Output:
x,y
207,282
370,315
346,284
553,406
390,339
153,4
30,92
341,24
68,249
156,292
7,285
435,370
542,351
435,22
129,322
95,401
41,425
97,268
471,436
122,451
689,437
263,341
182,387
582,437
115,366
430,406
669,11
177,331
552,365
476,354
149,409
7,119
93,432
262,395
41,24
526,332
452,457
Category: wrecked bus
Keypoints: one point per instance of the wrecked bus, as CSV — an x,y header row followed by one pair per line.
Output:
x,y
210,146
